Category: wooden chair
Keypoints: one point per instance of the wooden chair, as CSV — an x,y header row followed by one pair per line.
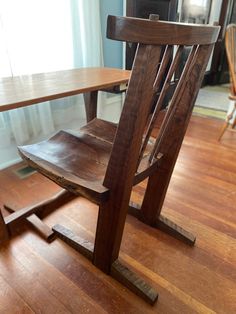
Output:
x,y
103,161
230,45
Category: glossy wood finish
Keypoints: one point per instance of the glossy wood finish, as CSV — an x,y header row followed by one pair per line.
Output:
x,y
141,30
42,278
75,161
105,172
25,90
230,45
174,131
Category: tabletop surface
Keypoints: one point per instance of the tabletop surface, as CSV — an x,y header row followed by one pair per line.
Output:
x,y
25,90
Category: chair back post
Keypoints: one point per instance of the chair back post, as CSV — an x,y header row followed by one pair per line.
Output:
x,y
124,156
172,139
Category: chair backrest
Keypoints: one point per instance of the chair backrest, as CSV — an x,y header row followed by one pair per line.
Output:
x,y
230,44
155,40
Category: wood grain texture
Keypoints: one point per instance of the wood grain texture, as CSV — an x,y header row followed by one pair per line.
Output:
x,y
81,245
174,127
74,160
90,101
202,279
133,282
34,221
124,156
158,32
25,90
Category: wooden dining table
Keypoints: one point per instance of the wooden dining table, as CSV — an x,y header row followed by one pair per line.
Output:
x,y
26,90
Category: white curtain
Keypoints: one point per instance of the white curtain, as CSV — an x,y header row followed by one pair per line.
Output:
x,y
42,36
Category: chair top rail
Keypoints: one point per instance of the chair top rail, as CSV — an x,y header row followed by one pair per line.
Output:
x,y
159,32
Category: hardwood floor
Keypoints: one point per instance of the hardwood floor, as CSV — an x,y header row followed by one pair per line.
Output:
x,y
36,277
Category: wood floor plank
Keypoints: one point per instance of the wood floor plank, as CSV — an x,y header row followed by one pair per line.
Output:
x,y
180,295
165,304
83,274
56,282
197,280
11,302
35,295
184,297
205,217
210,239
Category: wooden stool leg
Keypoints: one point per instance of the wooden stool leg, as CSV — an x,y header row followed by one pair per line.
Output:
x,y
4,234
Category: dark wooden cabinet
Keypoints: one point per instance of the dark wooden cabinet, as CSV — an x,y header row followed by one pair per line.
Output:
x,y
166,9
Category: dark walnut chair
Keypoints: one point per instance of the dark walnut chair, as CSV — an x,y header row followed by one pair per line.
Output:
x,y
103,161
230,45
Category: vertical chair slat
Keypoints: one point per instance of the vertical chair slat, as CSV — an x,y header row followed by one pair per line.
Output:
x,y
175,99
166,85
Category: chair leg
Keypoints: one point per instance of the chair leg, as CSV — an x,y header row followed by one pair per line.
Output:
x,y
150,211
234,123
4,234
118,271
227,121
223,129
109,233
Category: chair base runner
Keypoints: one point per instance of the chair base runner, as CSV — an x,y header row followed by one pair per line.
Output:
x,y
44,230
164,224
29,213
132,281
118,271
81,245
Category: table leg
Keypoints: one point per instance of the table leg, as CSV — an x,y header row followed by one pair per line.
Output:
x,y
4,234
90,101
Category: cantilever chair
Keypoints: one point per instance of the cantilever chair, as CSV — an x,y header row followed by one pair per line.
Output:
x,y
230,45
103,161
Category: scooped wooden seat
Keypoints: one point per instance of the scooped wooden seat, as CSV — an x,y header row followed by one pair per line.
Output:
x,y
101,129
78,160
74,160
